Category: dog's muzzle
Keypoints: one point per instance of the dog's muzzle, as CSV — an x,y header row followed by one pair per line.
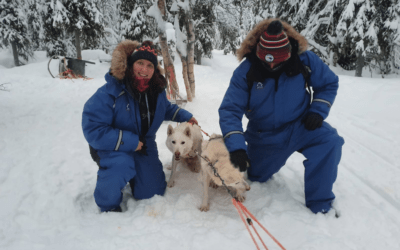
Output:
x,y
177,156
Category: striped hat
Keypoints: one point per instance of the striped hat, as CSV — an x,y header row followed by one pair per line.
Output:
x,y
274,45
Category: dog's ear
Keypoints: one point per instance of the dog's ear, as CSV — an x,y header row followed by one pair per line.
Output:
x,y
170,130
187,132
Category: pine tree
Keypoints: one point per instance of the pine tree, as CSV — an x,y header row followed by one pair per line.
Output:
x,y
393,25
204,18
84,23
262,9
227,23
35,27
111,21
13,30
55,21
135,22
386,19
293,12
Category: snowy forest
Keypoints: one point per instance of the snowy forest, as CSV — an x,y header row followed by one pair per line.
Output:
x,y
353,34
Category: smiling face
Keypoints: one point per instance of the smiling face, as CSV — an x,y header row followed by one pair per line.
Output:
x,y
143,68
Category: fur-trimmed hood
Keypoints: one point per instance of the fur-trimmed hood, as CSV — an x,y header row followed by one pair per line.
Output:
x,y
120,55
253,37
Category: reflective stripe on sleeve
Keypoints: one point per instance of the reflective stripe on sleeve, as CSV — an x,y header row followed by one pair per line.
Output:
x,y
176,112
119,141
232,132
324,101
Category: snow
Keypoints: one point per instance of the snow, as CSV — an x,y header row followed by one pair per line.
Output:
x,y
47,177
348,13
181,38
155,12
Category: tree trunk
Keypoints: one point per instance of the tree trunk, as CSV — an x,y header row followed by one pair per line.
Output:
x,y
78,44
198,56
168,63
190,49
15,53
335,59
360,64
168,66
186,76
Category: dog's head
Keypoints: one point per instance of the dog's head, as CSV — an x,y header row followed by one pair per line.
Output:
x,y
180,140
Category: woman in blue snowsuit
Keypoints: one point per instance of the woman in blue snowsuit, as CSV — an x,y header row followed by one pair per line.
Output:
x,y
120,122
270,88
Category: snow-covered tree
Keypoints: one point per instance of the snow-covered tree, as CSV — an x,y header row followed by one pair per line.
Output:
x,y
393,26
227,26
112,22
158,11
35,25
262,9
13,30
135,22
293,12
364,37
84,24
204,18
185,38
386,20
55,21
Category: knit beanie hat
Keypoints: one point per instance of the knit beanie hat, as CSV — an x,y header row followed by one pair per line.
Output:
x,y
274,45
145,51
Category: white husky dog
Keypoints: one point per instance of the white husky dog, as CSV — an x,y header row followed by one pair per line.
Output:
x,y
182,141
216,153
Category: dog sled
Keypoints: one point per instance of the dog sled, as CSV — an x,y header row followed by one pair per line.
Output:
x,y
70,68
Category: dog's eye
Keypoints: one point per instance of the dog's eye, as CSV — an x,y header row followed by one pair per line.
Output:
x,y
173,142
183,142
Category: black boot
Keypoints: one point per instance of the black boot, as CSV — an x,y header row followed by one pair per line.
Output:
x,y
132,184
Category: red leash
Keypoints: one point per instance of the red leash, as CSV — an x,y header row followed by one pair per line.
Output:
x,y
242,210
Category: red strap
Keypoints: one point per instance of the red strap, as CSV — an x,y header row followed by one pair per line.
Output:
x,y
242,209
244,221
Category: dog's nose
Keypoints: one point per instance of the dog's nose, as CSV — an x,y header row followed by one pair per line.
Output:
x,y
177,153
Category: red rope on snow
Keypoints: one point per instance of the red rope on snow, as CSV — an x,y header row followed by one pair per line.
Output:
x,y
242,210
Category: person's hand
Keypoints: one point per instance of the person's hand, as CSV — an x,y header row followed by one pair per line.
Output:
x,y
239,159
312,121
139,147
193,121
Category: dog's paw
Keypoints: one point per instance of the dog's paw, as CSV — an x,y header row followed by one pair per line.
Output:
x,y
170,184
205,208
241,198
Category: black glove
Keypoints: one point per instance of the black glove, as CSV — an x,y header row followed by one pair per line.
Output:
x,y
312,121
239,159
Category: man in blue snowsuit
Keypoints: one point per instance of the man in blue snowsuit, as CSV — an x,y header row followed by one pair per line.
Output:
x,y
270,88
120,122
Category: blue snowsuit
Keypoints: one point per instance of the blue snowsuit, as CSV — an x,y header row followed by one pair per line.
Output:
x,y
275,131
111,124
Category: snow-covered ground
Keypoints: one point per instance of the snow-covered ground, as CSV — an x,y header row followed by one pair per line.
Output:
x,y
47,177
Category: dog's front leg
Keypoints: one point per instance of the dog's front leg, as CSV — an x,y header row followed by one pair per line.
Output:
x,y
205,206
171,181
